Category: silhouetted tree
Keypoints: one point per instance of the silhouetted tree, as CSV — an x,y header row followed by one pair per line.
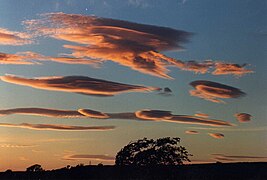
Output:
x,y
149,152
35,168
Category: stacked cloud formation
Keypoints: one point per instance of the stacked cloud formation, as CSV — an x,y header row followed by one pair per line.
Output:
x,y
134,45
211,91
243,117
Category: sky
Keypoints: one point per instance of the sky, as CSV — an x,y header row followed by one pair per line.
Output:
x,y
80,79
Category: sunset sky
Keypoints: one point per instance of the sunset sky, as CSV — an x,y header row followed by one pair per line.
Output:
x,y
82,78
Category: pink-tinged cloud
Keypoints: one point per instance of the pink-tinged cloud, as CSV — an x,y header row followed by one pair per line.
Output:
x,y
243,117
191,132
137,46
13,38
89,157
238,158
211,91
216,135
77,84
232,69
93,114
58,127
42,112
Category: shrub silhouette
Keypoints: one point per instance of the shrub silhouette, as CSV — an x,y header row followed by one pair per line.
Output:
x,y
149,152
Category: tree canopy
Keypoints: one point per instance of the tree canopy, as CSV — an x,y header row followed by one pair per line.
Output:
x,y
35,168
149,152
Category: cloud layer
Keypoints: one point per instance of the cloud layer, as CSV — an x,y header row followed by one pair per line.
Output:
x,y
58,127
211,91
77,84
243,117
13,38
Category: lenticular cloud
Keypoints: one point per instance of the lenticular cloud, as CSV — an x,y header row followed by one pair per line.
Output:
x,y
77,84
211,91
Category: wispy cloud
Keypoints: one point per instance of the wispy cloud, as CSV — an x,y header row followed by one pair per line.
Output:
x,y
243,117
58,127
77,84
89,157
228,68
16,146
216,135
13,38
191,132
23,58
31,58
233,129
211,91
236,158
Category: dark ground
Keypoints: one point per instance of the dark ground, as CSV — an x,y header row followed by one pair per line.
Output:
x,y
218,171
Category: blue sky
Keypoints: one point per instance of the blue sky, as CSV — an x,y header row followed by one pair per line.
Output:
x,y
226,31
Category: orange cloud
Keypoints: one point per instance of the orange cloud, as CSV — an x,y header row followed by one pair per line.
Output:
x,y
58,127
13,38
211,91
134,45
216,135
30,58
89,157
228,68
243,117
24,58
77,84
191,132
202,115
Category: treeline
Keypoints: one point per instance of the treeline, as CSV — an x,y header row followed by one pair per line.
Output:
x,y
218,171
